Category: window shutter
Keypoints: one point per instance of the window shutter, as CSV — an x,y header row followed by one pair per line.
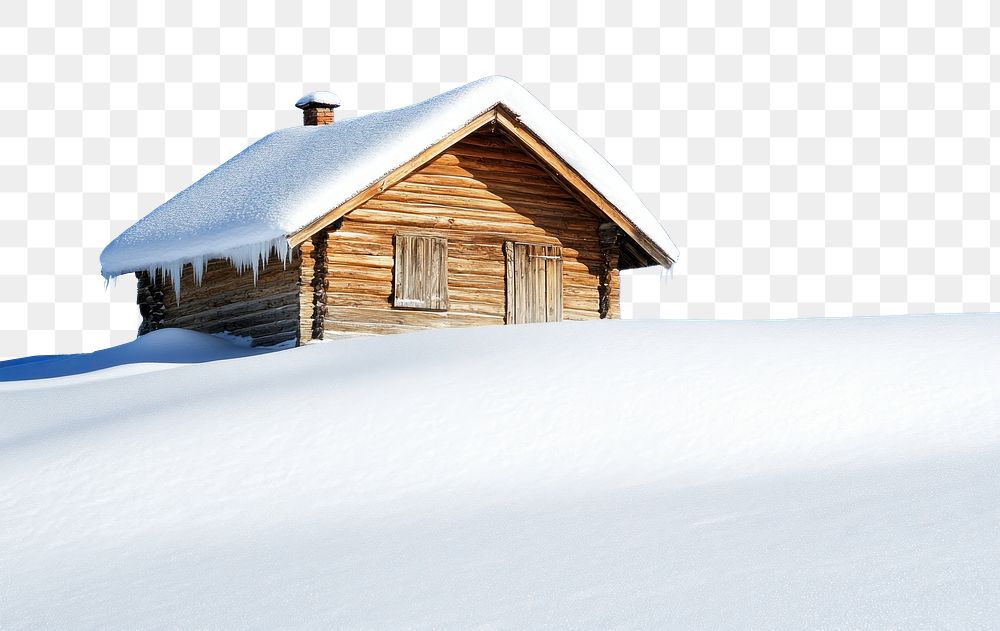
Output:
x,y
421,272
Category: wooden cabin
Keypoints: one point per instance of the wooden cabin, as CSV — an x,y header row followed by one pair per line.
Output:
x,y
478,208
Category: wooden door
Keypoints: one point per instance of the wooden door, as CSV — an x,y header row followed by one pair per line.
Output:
x,y
534,283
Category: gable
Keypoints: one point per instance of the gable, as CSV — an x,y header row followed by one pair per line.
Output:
x,y
484,184
490,177
519,145
480,195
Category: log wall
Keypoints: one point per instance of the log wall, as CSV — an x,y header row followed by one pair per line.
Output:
x,y
481,192
267,312
307,289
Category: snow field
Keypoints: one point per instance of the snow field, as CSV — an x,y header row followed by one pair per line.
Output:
x,y
812,473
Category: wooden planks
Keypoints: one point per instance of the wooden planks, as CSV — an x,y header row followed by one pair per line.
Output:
x,y
318,286
306,287
553,284
479,194
267,312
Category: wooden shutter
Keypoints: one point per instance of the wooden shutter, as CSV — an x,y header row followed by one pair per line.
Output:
x,y
534,283
420,272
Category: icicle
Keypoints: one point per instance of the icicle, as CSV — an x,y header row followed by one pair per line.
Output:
x,y
198,266
175,277
253,256
283,252
110,280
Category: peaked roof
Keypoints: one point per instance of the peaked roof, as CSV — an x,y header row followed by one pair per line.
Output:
x,y
288,179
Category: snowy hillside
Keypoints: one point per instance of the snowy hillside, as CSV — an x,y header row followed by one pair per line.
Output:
x,y
798,474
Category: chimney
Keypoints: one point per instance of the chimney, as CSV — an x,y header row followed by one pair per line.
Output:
x,y
317,107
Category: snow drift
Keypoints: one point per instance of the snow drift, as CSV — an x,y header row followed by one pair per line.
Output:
x,y
824,473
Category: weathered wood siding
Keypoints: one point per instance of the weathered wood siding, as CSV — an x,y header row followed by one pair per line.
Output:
x,y
307,290
267,312
482,192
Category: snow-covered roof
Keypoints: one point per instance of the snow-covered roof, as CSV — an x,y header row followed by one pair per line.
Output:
x,y
318,99
249,205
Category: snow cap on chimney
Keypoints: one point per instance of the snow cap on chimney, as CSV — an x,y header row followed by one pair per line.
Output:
x,y
317,107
